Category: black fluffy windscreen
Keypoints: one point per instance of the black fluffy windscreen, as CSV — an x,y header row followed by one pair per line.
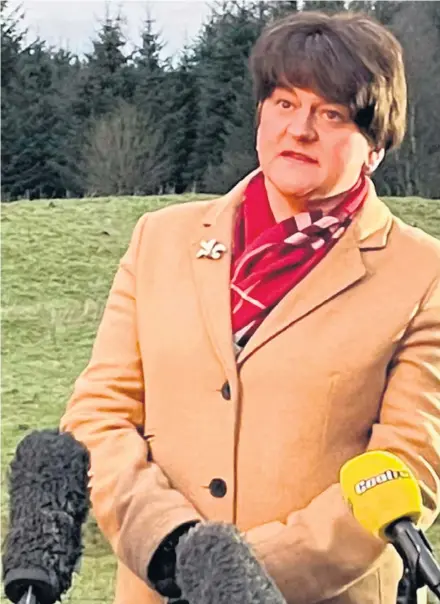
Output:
x,y
49,502
215,565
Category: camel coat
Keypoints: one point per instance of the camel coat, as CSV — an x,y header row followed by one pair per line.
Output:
x,y
348,361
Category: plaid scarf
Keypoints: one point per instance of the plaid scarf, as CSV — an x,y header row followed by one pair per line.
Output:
x,y
270,258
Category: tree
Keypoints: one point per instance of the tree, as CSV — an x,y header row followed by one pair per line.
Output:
x,y
36,128
239,155
152,93
195,116
66,70
124,155
182,111
222,65
414,168
104,77
149,71
281,8
326,6
12,41
386,11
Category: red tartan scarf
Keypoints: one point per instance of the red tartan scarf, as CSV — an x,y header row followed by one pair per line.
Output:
x,y
270,258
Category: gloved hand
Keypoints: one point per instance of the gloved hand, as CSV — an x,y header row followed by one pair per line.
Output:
x,y
406,593
162,568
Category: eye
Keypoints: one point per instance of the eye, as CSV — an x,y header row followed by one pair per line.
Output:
x,y
333,115
284,103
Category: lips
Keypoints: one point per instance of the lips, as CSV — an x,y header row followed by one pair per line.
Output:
x,y
299,157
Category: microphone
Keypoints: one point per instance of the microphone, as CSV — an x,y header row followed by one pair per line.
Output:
x,y
49,502
215,565
385,498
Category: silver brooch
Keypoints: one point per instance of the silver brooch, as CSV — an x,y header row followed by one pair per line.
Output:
x,y
211,249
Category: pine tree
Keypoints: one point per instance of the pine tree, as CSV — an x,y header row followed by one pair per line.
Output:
x,y
34,166
37,127
413,169
181,125
326,6
33,124
281,8
222,65
153,91
149,70
386,11
239,156
12,42
104,78
70,127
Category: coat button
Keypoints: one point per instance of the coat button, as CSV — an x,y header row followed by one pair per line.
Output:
x,y
226,391
218,487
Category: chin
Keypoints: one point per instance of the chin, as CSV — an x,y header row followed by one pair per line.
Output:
x,y
294,183
289,188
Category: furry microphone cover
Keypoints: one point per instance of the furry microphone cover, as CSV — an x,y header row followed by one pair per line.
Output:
x,y
49,502
215,565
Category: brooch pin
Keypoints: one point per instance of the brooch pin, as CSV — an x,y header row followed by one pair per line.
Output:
x,y
211,249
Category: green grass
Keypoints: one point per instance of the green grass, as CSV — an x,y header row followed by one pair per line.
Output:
x,y
59,259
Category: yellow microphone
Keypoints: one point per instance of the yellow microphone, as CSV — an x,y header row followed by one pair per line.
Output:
x,y
384,496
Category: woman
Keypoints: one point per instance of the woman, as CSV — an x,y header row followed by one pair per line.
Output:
x,y
253,344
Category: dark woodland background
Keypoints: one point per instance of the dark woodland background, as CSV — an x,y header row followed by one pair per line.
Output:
x,y
115,122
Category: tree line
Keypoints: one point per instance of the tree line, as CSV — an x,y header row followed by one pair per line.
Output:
x,y
129,122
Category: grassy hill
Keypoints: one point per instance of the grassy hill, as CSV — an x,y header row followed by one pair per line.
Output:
x,y
59,258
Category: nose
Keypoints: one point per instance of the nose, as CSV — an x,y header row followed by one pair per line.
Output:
x,y
301,125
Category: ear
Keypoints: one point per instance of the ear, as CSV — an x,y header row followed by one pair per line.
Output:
x,y
375,156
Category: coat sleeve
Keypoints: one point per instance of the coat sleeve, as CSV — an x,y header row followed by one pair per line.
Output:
x,y
322,550
133,502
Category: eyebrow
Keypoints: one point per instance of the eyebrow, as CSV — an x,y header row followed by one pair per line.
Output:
x,y
318,100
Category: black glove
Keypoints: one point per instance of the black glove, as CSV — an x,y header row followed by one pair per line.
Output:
x,y
162,568
407,593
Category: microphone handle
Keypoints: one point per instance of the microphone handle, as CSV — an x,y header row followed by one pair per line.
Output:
x,y
28,597
416,552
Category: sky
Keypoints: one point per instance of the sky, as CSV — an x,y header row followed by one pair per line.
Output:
x,y
72,23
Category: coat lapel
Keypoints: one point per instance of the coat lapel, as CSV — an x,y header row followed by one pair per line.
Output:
x,y
338,270
212,276
341,268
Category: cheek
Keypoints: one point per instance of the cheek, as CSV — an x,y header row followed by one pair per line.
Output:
x,y
348,150
341,149
263,143
269,133
266,141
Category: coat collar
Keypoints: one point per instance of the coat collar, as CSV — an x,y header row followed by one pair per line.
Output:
x,y
341,268
372,225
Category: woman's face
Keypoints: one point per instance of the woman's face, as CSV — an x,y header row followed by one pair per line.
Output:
x,y
309,148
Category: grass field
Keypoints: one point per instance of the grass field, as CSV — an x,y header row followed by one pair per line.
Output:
x,y
59,259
